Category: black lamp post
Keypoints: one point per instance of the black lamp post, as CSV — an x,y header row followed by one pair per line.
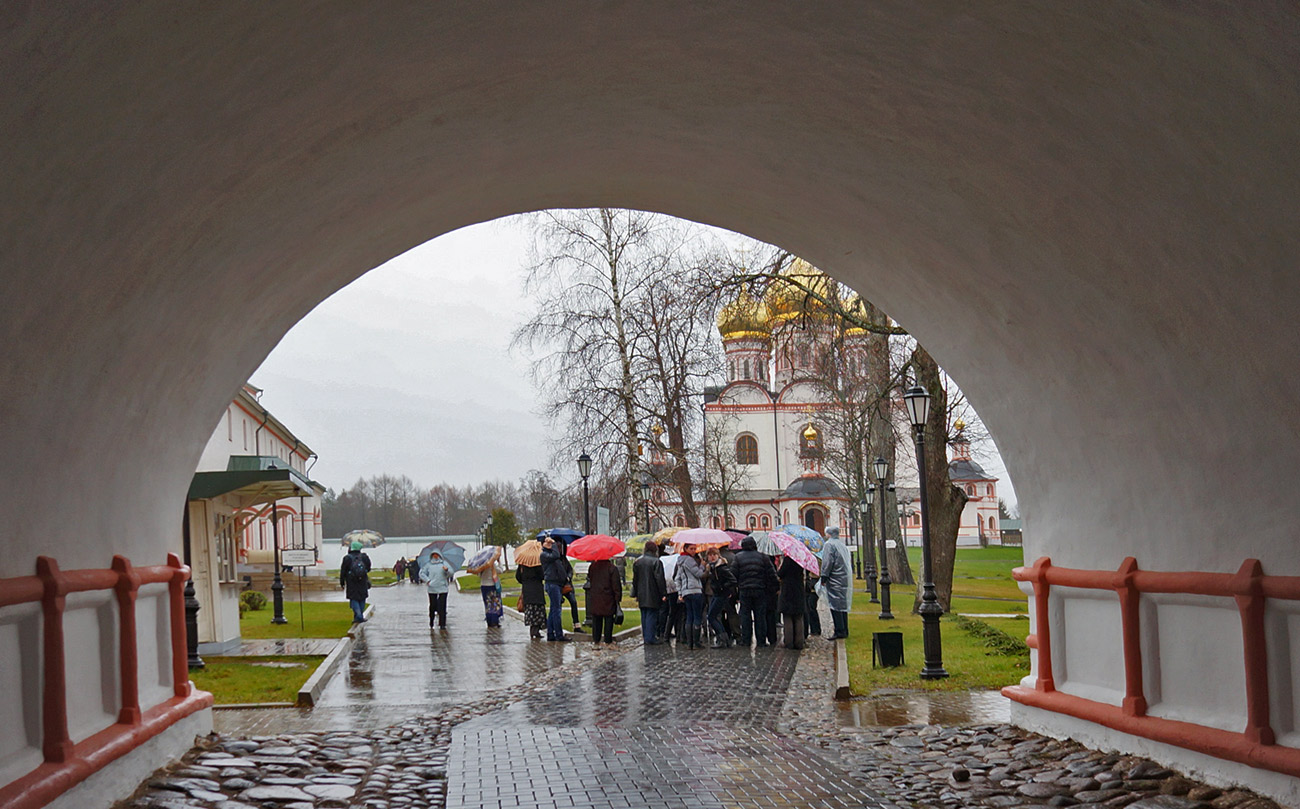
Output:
x,y
584,469
645,500
488,533
918,409
869,541
277,585
881,468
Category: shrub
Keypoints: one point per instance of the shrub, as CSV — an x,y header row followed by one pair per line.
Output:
x,y
993,637
252,599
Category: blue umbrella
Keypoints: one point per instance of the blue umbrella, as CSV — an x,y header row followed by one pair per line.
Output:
x,y
452,553
804,534
565,535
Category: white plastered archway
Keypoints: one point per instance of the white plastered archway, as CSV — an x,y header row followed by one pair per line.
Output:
x,y
1088,217
1087,213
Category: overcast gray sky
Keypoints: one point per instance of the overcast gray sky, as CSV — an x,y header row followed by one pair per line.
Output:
x,y
408,370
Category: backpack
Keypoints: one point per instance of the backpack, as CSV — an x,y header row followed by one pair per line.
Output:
x,y
357,570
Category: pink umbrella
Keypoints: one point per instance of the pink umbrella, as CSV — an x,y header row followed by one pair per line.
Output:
x,y
796,551
702,538
736,537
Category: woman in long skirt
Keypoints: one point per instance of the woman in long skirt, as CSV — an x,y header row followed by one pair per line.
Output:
x,y
490,586
533,597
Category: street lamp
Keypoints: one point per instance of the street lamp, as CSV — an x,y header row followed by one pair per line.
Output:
x,y
645,500
869,540
487,533
918,409
584,469
881,468
277,584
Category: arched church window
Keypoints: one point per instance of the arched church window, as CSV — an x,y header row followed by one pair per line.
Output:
x,y
970,489
680,521
747,369
804,356
747,449
990,489
993,525
767,523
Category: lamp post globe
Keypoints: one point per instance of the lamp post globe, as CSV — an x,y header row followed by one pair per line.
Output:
x,y
881,468
584,469
645,501
918,410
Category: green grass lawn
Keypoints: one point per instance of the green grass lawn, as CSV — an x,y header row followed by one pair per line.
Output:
x,y
982,583
323,619
378,578
235,680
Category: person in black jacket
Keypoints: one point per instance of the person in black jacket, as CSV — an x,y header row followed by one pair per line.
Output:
x,y
533,597
650,589
354,578
792,601
720,586
754,576
555,574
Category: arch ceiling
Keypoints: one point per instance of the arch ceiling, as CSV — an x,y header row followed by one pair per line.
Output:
x,y
1086,212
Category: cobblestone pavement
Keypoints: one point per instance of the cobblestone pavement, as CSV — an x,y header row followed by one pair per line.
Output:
x,y
586,727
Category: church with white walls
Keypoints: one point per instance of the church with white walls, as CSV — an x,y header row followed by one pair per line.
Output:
x,y
766,427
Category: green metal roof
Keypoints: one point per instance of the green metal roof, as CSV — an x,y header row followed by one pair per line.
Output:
x,y
253,479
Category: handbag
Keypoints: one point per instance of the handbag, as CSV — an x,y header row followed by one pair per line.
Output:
x,y
566,590
519,604
618,615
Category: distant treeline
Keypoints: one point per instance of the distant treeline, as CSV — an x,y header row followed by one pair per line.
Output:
x,y
398,506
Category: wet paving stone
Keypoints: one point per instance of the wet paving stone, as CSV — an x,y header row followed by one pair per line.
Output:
x,y
488,718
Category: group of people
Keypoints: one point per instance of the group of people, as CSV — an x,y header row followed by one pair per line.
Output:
x,y
737,595
408,568
552,580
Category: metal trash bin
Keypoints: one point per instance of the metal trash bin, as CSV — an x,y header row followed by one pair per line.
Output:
x,y
888,647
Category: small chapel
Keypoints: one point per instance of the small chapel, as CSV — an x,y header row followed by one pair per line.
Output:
x,y
766,423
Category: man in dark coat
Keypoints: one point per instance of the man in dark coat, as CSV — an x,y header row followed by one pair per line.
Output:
x,y
555,573
354,578
792,602
604,593
650,589
755,576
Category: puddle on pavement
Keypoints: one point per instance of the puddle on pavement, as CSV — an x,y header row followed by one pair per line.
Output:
x,y
916,708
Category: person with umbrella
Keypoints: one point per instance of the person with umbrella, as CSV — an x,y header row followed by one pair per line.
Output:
x,y
438,574
689,578
754,575
836,581
720,586
555,574
792,602
354,578
484,565
650,590
605,593
528,570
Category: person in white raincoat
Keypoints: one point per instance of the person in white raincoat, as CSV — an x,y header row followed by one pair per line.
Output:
x,y
836,581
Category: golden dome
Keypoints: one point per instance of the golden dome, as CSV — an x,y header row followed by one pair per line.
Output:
x,y
786,301
744,317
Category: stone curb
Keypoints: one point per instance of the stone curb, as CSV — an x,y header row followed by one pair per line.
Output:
x,y
310,691
842,670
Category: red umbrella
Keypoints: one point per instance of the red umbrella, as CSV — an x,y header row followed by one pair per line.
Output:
x,y
595,547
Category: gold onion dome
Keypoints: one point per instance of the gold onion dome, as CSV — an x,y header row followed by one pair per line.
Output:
x,y
744,317
786,301
859,312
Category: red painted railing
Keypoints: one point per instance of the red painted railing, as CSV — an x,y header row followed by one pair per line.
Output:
x,y
1249,587
69,761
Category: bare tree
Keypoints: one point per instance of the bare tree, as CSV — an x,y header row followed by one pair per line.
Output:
x,y
721,475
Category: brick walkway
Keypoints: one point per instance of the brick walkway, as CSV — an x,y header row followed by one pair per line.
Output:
x,y
658,727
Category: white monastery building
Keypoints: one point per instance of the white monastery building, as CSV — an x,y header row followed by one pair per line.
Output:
x,y
250,494
768,414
